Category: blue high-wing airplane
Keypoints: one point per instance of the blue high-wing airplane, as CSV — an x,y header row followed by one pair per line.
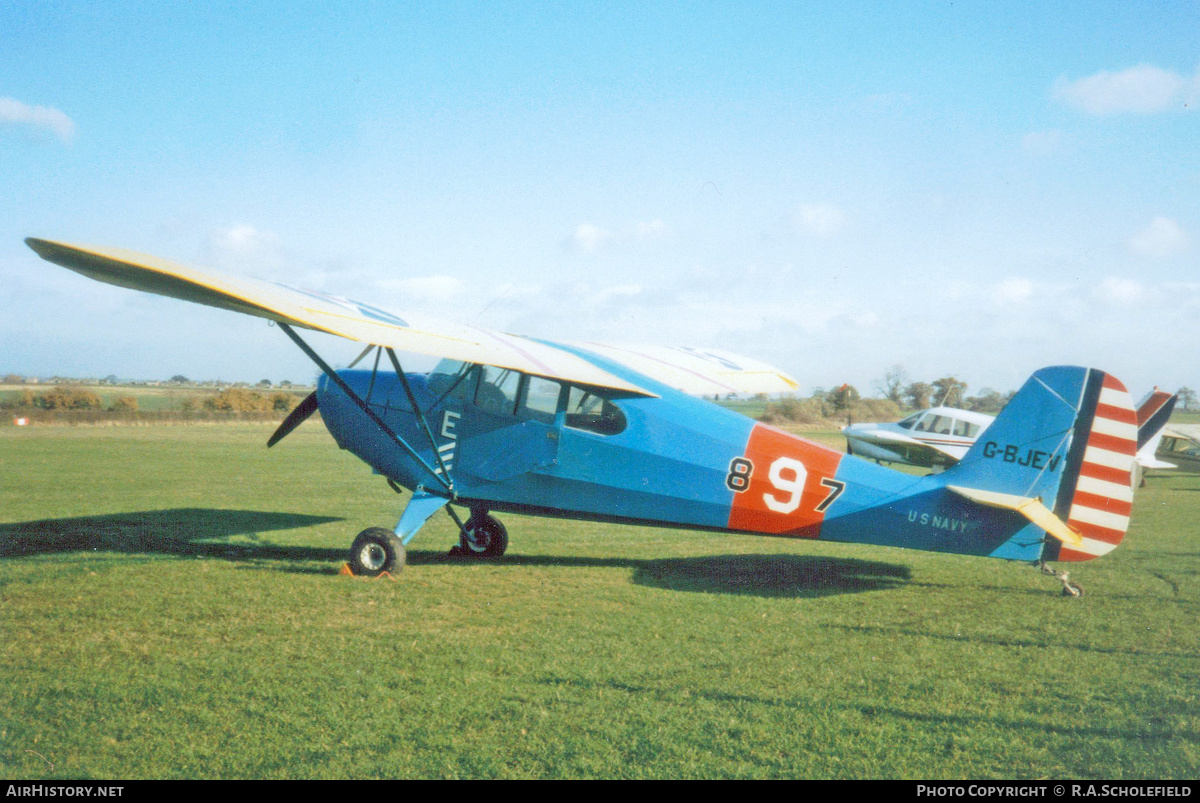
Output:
x,y
616,433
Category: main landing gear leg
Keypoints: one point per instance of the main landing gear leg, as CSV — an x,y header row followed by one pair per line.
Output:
x,y
481,536
1069,589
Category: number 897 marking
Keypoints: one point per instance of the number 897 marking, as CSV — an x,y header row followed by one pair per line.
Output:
x,y
787,474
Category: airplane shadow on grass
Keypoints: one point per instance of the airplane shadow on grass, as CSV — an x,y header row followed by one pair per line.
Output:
x,y
205,532
771,575
192,532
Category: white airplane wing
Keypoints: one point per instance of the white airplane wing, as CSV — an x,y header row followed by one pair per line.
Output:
x,y
1189,431
699,372
892,440
327,313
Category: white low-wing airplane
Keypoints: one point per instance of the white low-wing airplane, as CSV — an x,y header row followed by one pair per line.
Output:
x,y
1180,446
940,436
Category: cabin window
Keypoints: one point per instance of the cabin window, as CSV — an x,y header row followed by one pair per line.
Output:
x,y
452,379
591,413
540,401
503,391
497,392
937,424
1179,446
965,429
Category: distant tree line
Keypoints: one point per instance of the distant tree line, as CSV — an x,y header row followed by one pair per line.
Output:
x,y
65,398
899,395
112,379
241,400
68,398
949,391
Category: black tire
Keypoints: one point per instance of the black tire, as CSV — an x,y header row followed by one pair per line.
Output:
x,y
376,550
483,537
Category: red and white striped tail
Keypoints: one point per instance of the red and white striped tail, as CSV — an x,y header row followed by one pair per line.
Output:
x,y
1103,495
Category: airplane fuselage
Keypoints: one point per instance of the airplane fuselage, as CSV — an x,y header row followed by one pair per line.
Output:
x,y
526,445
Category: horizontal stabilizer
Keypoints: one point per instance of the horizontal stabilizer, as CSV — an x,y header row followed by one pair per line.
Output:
x,y
1029,507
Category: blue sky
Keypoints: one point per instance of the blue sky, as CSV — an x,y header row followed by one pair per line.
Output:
x,y
976,189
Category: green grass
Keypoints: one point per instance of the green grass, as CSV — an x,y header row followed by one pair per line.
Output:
x,y
170,608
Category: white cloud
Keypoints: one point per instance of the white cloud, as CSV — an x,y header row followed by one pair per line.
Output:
x,y
425,288
1042,143
865,320
590,238
40,118
1120,291
653,230
1163,238
617,293
1143,89
244,248
820,219
240,238
1014,290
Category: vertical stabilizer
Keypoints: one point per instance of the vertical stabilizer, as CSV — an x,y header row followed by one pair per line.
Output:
x,y
1153,412
1067,439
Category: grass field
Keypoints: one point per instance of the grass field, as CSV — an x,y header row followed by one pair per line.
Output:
x,y
170,608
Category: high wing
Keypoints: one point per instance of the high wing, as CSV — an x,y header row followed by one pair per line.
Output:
x,y
706,371
698,372
328,313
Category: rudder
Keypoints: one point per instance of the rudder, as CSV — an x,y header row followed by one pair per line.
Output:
x,y
1096,494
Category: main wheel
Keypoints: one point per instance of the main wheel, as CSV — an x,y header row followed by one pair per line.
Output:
x,y
483,537
376,550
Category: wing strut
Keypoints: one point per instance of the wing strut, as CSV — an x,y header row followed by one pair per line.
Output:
x,y
379,422
437,455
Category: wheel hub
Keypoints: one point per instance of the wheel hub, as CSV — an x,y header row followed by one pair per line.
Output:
x,y
372,557
477,539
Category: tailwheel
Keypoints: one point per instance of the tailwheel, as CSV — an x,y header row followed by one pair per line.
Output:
x,y
482,536
1069,589
376,550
